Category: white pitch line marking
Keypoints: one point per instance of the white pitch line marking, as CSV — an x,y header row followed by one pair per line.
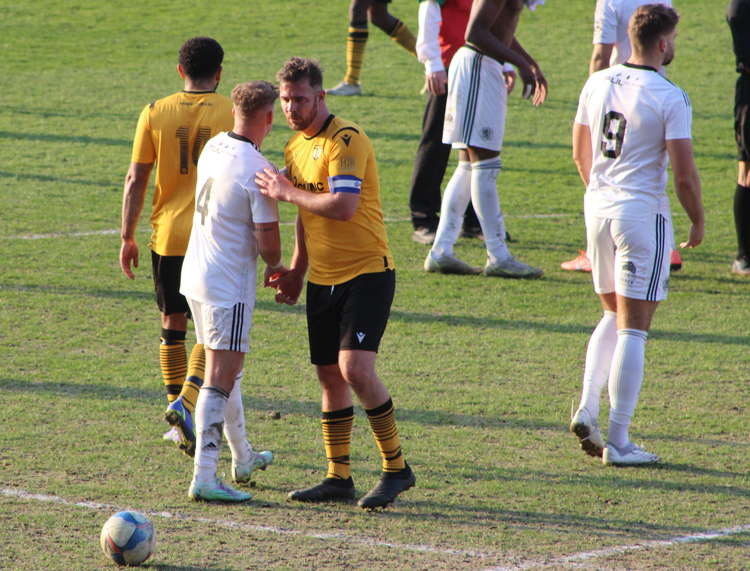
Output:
x,y
111,231
620,549
229,524
369,542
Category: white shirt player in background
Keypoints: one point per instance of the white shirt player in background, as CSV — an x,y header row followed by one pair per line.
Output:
x,y
631,122
611,42
233,223
475,126
612,46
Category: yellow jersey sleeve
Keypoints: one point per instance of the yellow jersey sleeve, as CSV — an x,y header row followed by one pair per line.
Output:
x,y
348,160
143,145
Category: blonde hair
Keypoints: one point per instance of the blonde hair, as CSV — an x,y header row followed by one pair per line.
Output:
x,y
254,95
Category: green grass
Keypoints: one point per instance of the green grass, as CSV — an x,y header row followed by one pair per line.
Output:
x,y
482,371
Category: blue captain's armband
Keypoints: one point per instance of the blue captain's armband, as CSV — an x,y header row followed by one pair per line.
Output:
x,y
344,183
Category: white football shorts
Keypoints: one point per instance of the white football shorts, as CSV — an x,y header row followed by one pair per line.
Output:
x,y
477,99
222,328
630,257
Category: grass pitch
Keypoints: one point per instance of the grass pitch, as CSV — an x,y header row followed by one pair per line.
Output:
x,y
482,371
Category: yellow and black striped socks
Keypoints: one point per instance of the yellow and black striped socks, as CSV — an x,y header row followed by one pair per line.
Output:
x,y
337,439
173,361
383,424
195,375
403,37
355,51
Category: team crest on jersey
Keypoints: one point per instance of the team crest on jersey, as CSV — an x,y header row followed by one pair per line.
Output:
x,y
486,133
317,151
346,138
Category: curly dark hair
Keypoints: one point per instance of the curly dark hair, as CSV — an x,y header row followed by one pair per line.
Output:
x,y
296,69
201,57
253,95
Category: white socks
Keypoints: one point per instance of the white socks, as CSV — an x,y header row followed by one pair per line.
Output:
x,y
455,200
209,417
234,424
625,381
598,362
476,182
486,203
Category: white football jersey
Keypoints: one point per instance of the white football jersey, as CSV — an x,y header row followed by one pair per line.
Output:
x,y
631,112
220,262
611,25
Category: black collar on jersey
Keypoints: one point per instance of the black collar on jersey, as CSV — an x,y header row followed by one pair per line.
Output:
x,y
198,92
241,138
636,66
323,128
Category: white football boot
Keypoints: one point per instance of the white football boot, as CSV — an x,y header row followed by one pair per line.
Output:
x,y
242,471
631,455
344,88
449,265
216,491
586,429
512,268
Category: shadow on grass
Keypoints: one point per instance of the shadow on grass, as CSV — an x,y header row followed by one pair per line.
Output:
x,y
56,179
72,290
184,568
413,316
253,402
52,138
498,520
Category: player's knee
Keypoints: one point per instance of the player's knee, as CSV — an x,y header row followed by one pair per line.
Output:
x,y
743,176
380,17
356,373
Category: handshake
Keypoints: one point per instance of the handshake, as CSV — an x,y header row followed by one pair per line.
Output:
x,y
287,283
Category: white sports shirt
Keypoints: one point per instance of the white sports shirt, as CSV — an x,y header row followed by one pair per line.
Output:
x,y
631,112
611,25
220,262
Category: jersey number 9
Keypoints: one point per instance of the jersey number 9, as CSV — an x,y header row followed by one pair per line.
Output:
x,y
613,132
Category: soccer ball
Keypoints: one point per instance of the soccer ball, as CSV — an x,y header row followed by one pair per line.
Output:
x,y
128,538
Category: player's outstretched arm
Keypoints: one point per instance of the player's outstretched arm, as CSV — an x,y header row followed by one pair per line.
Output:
x,y
269,243
336,205
133,197
582,151
687,186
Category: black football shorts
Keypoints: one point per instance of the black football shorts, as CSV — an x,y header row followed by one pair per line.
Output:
x,y
742,117
167,270
351,315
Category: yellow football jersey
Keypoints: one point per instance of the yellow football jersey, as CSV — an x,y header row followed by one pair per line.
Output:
x,y
340,158
171,132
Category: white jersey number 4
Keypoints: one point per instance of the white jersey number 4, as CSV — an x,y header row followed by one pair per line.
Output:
x,y
201,205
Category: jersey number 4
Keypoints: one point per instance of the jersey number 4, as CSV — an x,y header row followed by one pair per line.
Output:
x,y
183,136
613,133
201,205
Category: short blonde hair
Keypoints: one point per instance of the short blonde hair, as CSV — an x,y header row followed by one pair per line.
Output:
x,y
254,95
